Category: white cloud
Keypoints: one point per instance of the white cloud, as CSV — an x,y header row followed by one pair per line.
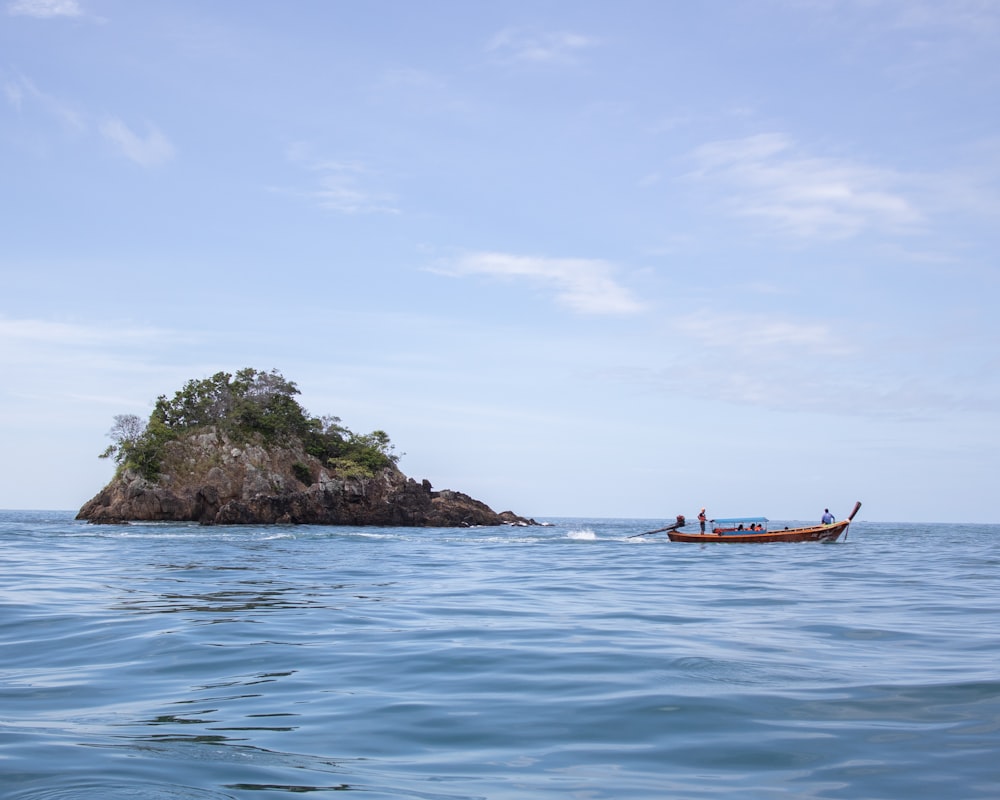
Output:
x,y
44,9
18,334
971,18
587,286
766,337
827,365
519,45
918,41
768,178
340,191
23,94
14,93
841,387
148,151
50,361
344,186
797,364
25,97
765,361
975,17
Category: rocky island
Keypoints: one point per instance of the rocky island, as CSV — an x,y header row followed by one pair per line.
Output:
x,y
239,449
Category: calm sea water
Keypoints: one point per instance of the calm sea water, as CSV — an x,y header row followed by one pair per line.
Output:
x,y
166,661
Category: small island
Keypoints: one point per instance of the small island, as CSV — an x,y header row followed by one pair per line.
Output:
x,y
239,449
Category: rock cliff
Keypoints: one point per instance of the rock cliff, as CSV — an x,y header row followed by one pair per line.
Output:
x,y
206,477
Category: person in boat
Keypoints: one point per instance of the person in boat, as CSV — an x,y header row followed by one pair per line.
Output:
x,y
702,519
828,518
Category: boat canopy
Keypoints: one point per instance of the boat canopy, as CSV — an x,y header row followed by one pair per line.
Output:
x,y
737,520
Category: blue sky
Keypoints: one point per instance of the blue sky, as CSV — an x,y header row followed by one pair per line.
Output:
x,y
576,258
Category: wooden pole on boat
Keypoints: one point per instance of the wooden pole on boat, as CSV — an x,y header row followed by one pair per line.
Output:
x,y
679,523
850,517
658,530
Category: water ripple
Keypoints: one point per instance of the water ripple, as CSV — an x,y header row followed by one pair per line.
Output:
x,y
162,661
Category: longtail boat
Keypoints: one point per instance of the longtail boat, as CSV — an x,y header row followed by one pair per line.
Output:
x,y
753,530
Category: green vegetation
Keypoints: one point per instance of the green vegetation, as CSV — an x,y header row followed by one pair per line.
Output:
x,y
248,406
302,472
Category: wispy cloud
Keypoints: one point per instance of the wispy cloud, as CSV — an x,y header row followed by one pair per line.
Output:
x,y
44,9
828,365
765,336
150,150
917,41
767,177
75,372
423,92
75,349
22,94
14,92
812,387
761,360
516,44
975,17
342,186
586,286
341,190
978,17
19,333
798,364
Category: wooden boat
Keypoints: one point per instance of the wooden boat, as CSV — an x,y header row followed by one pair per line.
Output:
x,y
737,529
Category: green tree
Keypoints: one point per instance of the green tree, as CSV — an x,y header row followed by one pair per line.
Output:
x,y
246,405
197,403
247,402
125,435
137,445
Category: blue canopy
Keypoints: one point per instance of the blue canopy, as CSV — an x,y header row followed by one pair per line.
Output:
x,y
737,520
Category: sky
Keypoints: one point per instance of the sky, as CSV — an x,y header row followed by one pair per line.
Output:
x,y
576,258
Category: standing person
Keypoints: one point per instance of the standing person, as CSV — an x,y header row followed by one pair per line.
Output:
x,y
827,516
702,519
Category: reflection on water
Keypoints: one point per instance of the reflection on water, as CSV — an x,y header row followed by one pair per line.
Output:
x,y
103,789
224,601
275,787
217,714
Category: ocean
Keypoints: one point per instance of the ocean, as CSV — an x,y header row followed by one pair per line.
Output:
x,y
179,662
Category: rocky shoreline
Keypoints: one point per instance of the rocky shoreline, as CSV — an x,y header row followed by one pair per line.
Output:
x,y
210,479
